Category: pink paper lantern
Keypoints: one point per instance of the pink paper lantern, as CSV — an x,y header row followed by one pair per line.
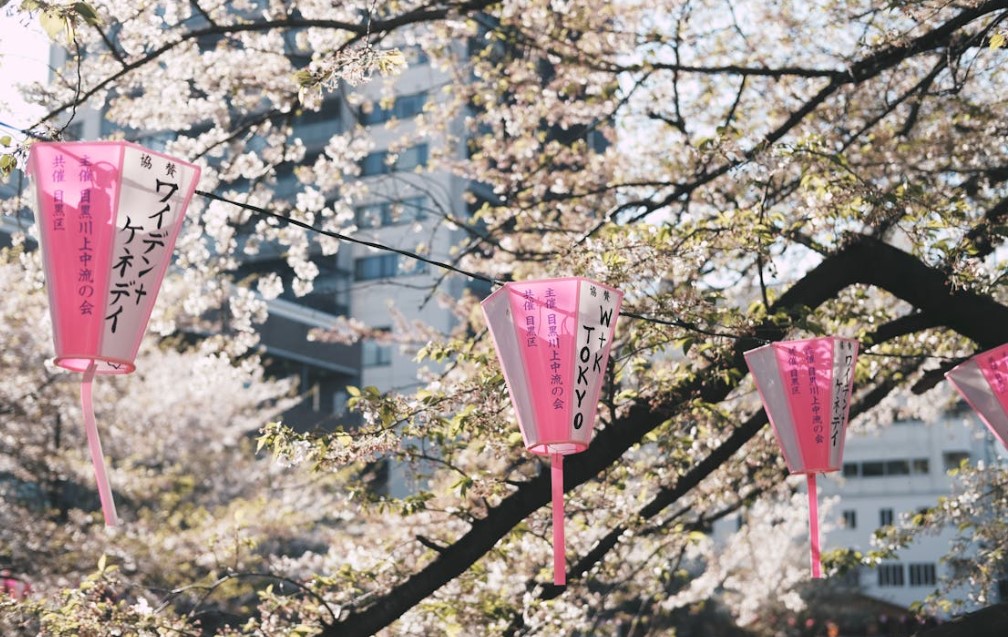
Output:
x,y
108,215
806,387
552,339
983,383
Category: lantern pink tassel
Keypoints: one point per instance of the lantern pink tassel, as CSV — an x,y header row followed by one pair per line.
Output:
x,y
94,443
813,520
559,549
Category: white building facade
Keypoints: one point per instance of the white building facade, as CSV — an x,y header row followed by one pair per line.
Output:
x,y
894,472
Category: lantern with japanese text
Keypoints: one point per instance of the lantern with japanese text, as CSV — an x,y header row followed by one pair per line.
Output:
x,y
806,387
108,214
553,338
983,383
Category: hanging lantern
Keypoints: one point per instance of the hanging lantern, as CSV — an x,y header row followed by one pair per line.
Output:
x,y
983,383
108,215
552,339
806,387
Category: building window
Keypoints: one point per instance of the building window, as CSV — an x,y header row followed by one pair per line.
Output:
x,y
922,574
403,107
384,266
373,113
409,210
412,157
377,163
410,105
340,399
880,468
850,519
885,517
375,215
890,575
897,468
375,354
952,459
380,266
872,469
370,215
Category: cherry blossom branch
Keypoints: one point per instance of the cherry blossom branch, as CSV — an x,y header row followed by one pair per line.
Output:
x,y
864,260
859,72
416,16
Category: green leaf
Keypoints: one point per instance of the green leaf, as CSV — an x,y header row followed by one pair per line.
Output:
x,y
88,13
52,23
7,164
390,62
686,344
304,78
463,484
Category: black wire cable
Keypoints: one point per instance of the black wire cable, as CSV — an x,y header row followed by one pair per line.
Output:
x,y
686,325
343,237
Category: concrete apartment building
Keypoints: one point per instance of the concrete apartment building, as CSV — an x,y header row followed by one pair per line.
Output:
x,y
890,472
893,472
404,208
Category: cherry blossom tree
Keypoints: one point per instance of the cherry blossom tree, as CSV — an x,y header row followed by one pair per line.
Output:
x,y
198,506
743,171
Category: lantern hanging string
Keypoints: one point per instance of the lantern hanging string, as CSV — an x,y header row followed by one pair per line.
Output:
x,y
686,325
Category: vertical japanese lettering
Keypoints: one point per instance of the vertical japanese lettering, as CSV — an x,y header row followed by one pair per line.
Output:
x,y
841,390
815,405
85,229
793,370
142,238
59,213
998,376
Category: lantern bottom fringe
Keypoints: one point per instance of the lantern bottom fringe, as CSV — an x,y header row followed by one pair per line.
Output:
x,y
94,444
559,550
813,505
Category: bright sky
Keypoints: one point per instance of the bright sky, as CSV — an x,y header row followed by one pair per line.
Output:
x,y
24,57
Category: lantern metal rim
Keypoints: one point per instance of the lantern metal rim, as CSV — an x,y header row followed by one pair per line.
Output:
x,y
81,363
